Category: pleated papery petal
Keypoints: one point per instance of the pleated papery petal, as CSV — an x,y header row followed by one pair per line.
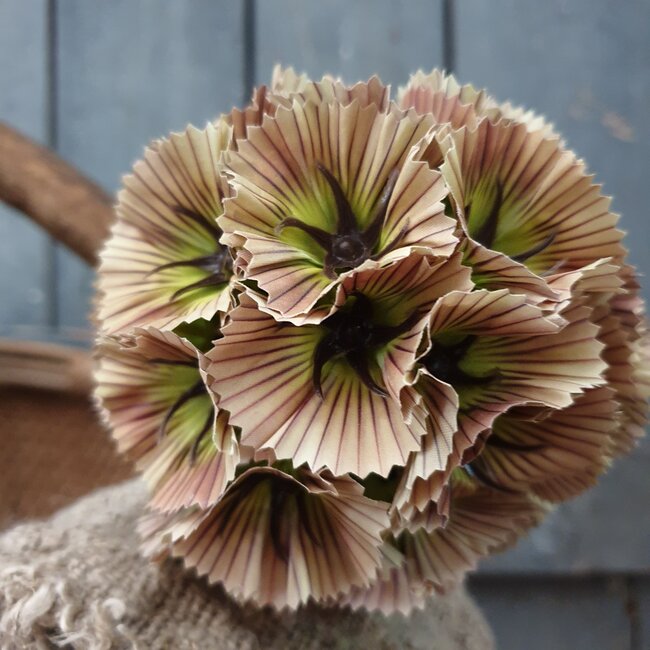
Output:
x,y
599,281
141,381
252,115
409,287
410,508
422,87
520,115
275,177
285,81
440,94
521,194
287,86
530,362
396,588
263,373
165,238
481,522
622,331
279,540
556,458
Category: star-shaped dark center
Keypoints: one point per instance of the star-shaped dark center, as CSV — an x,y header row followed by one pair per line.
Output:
x,y
353,335
217,265
348,246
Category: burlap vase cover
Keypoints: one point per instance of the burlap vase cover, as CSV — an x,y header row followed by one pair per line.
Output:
x,y
77,580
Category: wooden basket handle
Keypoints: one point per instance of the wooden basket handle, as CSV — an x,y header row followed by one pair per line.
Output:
x,y
55,195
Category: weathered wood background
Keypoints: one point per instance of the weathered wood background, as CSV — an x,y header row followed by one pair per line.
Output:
x,y
96,79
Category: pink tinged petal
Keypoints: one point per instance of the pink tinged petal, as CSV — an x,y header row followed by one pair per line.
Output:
x,y
548,212
556,458
396,591
288,86
489,314
322,538
622,332
440,404
600,279
425,93
495,271
139,383
481,522
445,110
165,217
261,370
415,215
200,483
520,115
288,276
252,115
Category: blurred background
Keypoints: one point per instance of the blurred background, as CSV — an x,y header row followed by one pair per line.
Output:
x,y
96,80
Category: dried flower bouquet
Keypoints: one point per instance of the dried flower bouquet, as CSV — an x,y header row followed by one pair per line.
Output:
x,y
354,344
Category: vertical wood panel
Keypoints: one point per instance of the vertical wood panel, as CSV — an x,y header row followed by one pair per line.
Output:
x,y
23,105
584,64
562,614
353,39
129,71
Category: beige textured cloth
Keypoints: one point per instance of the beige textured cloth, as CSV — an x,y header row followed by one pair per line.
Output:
x,y
77,580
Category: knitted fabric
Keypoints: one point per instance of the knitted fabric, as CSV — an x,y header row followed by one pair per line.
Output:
x,y
77,581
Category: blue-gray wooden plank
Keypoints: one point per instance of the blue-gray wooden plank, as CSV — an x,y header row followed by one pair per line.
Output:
x,y
391,38
556,614
584,64
23,105
130,71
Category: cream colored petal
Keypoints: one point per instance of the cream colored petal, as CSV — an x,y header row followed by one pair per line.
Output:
x,y
440,403
274,176
489,314
549,369
405,289
493,270
287,86
352,429
397,591
274,540
262,372
521,115
166,214
252,115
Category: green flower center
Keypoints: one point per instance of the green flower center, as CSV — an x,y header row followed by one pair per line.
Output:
x,y
348,246
217,265
195,390
484,214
